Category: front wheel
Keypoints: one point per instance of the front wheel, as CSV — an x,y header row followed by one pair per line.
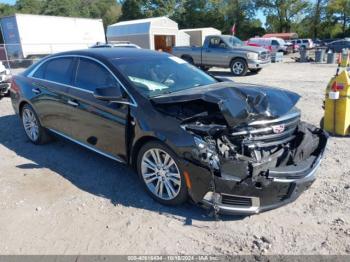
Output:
x,y
160,172
239,67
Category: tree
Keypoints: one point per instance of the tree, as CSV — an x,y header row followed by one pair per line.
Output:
x,y
200,13
281,14
242,14
340,10
61,8
6,9
131,9
29,6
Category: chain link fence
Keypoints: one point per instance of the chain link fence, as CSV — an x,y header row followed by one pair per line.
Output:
x,y
20,56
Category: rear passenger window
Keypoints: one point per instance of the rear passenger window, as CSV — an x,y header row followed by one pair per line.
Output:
x,y
91,75
40,72
59,70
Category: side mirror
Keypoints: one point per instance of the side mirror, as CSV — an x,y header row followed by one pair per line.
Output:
x,y
111,94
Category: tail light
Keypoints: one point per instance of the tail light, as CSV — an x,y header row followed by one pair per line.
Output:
x,y
14,86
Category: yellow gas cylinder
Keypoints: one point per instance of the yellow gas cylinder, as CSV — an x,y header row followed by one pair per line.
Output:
x,y
337,105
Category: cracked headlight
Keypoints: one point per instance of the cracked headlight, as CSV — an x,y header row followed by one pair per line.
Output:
x,y
206,152
252,56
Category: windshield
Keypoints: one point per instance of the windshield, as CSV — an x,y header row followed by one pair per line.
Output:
x,y
232,40
154,76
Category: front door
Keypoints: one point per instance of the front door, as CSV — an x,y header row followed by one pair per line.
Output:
x,y
216,53
97,124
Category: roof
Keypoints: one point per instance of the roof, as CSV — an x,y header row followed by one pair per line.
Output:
x,y
282,35
140,21
140,26
200,29
114,53
51,16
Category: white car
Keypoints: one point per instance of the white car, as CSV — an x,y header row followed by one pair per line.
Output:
x,y
5,80
274,44
304,43
124,44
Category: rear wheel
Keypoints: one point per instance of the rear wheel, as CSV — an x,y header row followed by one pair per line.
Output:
x,y
239,67
159,170
188,59
32,127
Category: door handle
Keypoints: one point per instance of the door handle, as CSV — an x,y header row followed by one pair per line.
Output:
x,y
36,90
73,103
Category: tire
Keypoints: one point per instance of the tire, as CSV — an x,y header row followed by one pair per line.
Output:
x,y
204,68
239,67
146,165
188,59
322,123
37,134
255,71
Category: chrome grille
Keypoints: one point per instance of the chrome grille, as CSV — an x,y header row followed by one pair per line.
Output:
x,y
266,133
264,55
236,200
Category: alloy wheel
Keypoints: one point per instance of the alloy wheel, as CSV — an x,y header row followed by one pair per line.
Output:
x,y
161,174
237,67
30,124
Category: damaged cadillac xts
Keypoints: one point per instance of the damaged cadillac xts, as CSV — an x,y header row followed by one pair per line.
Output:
x,y
234,148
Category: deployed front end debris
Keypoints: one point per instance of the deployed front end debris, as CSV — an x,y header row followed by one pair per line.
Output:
x,y
252,140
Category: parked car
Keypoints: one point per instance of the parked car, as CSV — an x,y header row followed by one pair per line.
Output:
x,y
124,44
5,80
236,148
339,45
295,47
304,43
227,52
272,44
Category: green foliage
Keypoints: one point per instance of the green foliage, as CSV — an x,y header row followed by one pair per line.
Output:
x,y
281,14
29,6
7,9
339,11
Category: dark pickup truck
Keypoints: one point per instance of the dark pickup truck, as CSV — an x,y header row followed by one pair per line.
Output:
x,y
227,52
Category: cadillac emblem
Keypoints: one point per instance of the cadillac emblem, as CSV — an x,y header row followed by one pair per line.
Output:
x,y
278,129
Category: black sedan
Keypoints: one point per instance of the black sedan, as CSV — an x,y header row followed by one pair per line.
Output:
x,y
231,147
338,45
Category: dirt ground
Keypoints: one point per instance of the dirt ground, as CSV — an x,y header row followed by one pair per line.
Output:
x,y
63,199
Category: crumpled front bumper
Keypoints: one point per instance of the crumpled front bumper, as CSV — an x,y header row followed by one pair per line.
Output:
x,y
254,195
248,199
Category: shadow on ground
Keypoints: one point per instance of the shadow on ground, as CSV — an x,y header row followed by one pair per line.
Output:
x,y
225,74
92,173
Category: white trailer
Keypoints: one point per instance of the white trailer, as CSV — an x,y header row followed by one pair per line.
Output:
x,y
27,36
158,33
198,35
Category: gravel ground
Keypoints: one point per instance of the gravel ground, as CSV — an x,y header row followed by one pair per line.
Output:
x,y
62,199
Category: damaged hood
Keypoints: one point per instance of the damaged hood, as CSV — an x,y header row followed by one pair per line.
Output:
x,y
239,103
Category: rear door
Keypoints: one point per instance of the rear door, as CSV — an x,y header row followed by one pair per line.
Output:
x,y
50,84
98,124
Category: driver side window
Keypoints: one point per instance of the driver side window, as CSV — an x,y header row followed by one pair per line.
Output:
x,y
91,75
216,42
